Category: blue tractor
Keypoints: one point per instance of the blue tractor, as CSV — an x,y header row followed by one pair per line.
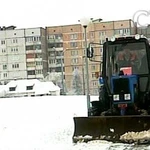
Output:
x,y
124,98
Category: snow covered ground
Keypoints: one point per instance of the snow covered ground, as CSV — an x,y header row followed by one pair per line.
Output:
x,y
44,123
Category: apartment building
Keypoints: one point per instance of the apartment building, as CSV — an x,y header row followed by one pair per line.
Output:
x,y
31,53
22,53
36,53
12,54
70,41
55,48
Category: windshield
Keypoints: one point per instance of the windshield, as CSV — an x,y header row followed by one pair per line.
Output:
x,y
129,56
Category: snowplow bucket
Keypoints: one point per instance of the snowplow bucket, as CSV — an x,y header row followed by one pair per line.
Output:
x,y
108,127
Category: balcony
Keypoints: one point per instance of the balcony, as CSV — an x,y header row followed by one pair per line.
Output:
x,y
51,50
39,76
30,51
31,68
38,51
51,55
33,51
30,59
55,49
59,65
52,65
31,76
59,57
38,59
33,42
39,67
55,40
59,48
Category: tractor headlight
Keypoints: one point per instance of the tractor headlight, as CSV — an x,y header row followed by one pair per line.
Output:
x,y
127,97
137,36
113,38
116,97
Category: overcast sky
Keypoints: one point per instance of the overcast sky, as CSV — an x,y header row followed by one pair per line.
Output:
x,y
41,13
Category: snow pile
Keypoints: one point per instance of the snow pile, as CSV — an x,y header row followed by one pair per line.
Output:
x,y
140,137
93,145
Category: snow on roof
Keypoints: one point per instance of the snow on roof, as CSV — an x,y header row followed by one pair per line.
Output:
x,y
29,82
38,86
45,87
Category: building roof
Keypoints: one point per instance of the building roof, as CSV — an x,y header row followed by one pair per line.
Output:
x,y
38,86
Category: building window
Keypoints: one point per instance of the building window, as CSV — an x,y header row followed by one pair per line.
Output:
x,y
126,31
58,36
52,61
51,37
73,36
5,75
55,45
31,72
12,88
122,31
39,71
3,50
74,60
38,55
94,83
59,61
37,47
14,49
93,75
52,53
102,33
73,44
55,36
2,42
4,67
29,39
29,47
74,53
15,65
75,67
33,39
29,87
14,40
39,63
34,47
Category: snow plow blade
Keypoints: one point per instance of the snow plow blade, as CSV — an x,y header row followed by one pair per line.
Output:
x,y
109,128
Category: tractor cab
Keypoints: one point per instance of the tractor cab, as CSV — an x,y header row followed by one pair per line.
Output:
x,y
125,73
128,55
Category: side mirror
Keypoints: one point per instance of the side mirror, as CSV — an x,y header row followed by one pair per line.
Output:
x,y
90,52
